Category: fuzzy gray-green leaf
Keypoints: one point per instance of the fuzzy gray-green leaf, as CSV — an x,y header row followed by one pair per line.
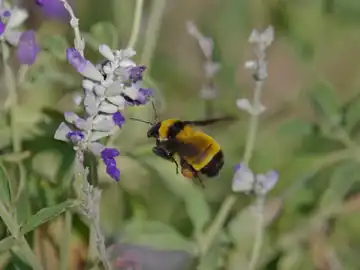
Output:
x,y
45,215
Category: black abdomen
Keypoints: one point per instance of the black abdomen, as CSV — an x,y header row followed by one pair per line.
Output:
x,y
213,168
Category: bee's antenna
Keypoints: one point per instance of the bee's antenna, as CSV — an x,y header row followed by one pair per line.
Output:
x,y
142,121
155,114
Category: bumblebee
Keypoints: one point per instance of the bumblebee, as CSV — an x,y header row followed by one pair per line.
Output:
x,y
198,152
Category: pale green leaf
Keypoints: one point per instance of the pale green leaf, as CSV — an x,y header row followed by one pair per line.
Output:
x,y
5,186
196,205
343,178
325,102
7,243
15,157
352,115
45,215
292,259
295,127
56,45
156,234
105,33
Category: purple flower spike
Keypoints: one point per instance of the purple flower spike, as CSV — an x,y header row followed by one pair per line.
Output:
x,y
135,73
76,59
27,49
118,119
53,9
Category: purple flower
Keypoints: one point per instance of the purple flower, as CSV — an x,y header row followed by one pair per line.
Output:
x,y
27,49
144,96
118,119
135,73
109,153
76,59
53,9
108,156
237,167
113,172
4,17
75,136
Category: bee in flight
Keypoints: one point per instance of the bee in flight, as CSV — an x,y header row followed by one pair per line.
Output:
x,y
198,152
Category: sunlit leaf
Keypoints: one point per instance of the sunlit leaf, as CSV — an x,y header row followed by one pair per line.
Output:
x,y
45,215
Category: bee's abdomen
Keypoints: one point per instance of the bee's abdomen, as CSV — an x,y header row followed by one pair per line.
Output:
x,y
214,166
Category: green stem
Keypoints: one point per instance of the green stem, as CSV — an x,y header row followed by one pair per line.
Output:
x,y
11,84
136,23
253,126
13,228
230,200
259,232
64,250
217,224
152,33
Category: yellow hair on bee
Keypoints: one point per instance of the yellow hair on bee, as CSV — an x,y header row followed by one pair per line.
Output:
x,y
207,145
164,127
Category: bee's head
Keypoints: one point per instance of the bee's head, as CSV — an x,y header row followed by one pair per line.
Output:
x,y
153,132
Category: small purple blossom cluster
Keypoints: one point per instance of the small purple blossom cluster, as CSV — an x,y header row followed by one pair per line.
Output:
x,y
246,181
11,18
211,68
108,88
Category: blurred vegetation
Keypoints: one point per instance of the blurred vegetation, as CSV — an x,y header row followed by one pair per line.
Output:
x,y
309,133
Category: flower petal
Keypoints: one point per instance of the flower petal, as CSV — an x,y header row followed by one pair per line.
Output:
x,y
18,16
62,132
244,104
106,52
266,182
107,107
13,37
90,103
28,48
115,89
243,179
119,101
96,148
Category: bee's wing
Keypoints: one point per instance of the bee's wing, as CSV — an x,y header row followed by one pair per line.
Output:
x,y
186,149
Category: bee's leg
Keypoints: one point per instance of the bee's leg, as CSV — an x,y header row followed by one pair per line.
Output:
x,y
198,178
161,152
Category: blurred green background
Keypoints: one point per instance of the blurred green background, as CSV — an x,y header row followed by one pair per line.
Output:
x,y
309,133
